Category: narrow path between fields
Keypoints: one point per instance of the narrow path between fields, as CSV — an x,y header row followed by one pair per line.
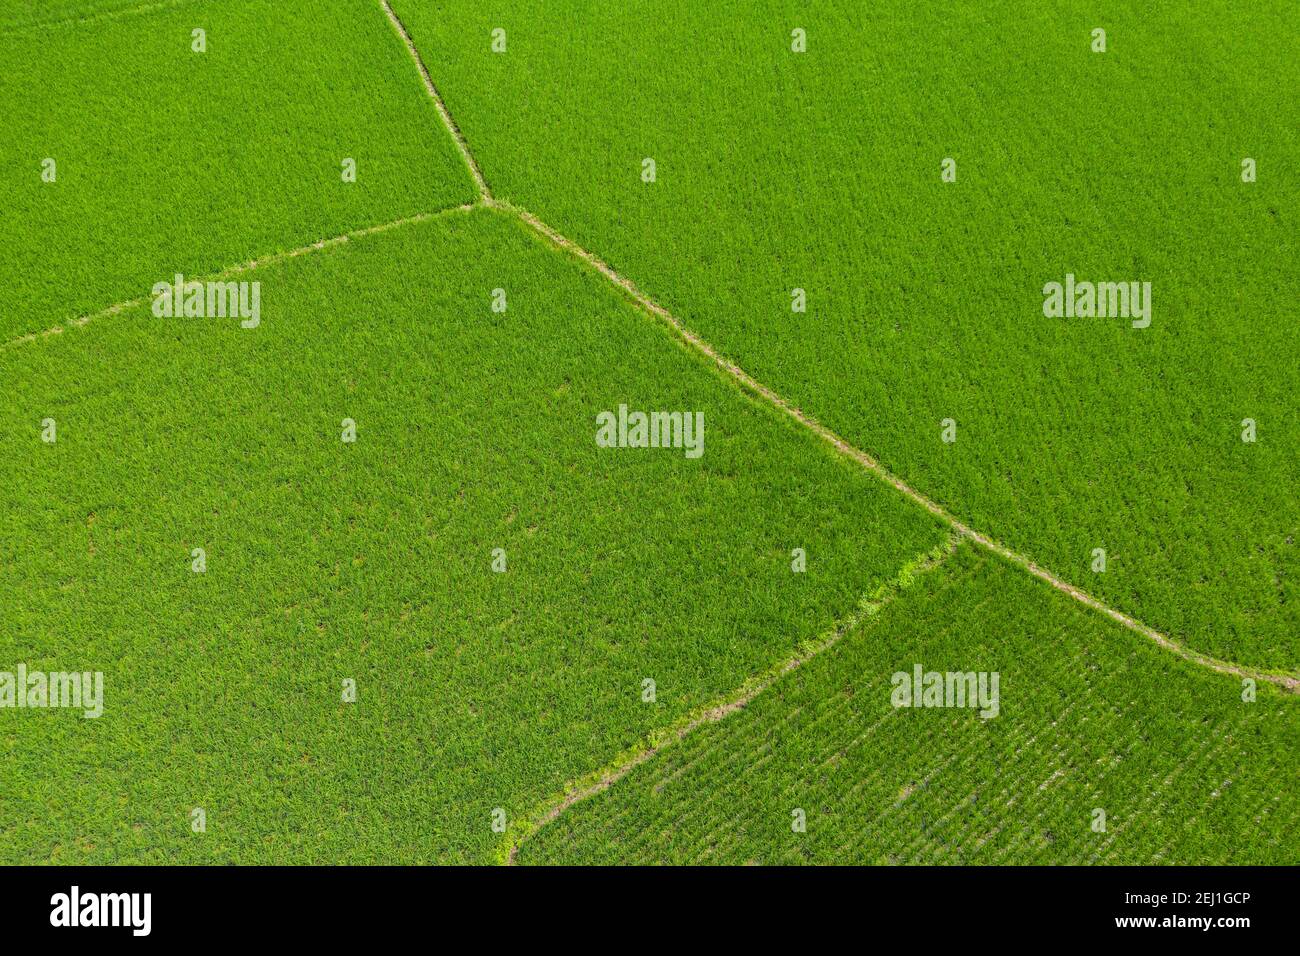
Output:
x,y
92,17
868,607
245,267
752,385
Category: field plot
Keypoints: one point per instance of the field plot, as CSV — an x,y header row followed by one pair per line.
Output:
x,y
776,170
373,560
166,160
1088,720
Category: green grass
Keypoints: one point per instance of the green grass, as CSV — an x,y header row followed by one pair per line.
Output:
x,y
1184,769
173,161
821,170
24,14
373,560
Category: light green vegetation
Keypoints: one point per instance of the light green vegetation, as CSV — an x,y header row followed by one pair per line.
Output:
x,y
373,560
821,171
1185,771
24,14
173,161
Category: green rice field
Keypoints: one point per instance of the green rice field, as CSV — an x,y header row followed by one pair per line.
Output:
x,y
647,433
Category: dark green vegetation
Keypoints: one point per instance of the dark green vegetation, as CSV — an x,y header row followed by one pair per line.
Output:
x,y
373,560
173,161
1185,771
821,171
